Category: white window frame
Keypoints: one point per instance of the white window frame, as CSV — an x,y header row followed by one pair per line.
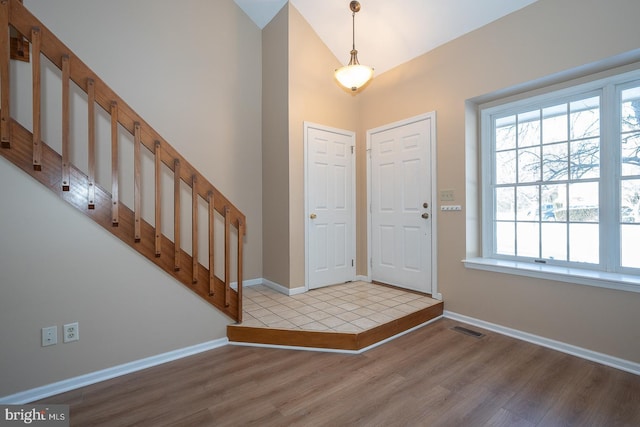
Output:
x,y
605,274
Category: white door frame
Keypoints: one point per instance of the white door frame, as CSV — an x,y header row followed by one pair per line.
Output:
x,y
352,244
434,211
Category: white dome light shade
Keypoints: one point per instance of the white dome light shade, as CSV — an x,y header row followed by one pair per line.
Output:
x,y
354,76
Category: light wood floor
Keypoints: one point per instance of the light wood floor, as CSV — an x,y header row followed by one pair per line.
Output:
x,y
433,376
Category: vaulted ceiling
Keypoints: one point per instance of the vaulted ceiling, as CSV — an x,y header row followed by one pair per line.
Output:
x,y
388,33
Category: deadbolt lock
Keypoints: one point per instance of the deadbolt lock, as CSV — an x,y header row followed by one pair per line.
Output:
x,y
425,205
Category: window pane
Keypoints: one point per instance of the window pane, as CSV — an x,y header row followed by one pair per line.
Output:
x,y
585,118
529,239
505,206
529,164
529,128
505,238
630,201
554,241
584,244
553,200
506,167
555,164
506,133
585,159
583,202
629,245
554,124
631,154
528,204
631,109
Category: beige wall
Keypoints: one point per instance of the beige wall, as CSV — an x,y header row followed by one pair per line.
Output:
x,y
275,149
47,275
57,266
545,38
314,97
311,95
193,71
177,66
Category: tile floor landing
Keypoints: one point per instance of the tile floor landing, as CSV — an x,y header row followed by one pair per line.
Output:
x,y
352,307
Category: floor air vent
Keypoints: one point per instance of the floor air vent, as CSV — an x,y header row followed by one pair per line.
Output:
x,y
466,331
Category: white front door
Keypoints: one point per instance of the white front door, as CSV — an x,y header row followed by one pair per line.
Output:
x,y
401,204
330,205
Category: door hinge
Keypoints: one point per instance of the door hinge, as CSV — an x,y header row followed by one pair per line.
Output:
x,y
352,149
351,263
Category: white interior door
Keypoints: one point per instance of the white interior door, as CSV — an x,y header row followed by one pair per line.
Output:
x,y
401,204
330,212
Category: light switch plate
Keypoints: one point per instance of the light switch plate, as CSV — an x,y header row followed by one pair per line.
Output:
x,y
447,195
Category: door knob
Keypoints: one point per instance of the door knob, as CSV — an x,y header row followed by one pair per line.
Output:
x,y
425,215
313,216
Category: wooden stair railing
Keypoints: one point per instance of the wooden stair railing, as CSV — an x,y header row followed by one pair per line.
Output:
x,y
80,189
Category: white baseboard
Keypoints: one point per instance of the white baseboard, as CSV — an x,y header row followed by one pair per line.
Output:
x,y
245,283
282,289
268,283
252,282
297,291
594,356
38,393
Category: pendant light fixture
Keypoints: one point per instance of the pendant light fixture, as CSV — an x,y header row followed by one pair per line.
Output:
x,y
353,76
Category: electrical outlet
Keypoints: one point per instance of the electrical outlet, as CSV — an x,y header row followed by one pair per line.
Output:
x,y
71,332
49,336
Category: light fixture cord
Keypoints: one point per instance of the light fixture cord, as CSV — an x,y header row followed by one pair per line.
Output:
x,y
353,30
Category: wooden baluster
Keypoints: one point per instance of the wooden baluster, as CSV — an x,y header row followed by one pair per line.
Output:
x,y
176,214
5,49
115,203
158,201
36,83
227,255
212,217
137,203
240,238
66,167
194,228
91,113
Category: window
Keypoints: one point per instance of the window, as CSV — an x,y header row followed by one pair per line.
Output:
x,y
561,178
630,176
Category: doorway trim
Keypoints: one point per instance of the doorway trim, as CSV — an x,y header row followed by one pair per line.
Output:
x,y
434,211
352,243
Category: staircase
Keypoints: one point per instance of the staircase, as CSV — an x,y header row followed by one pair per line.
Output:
x,y
25,38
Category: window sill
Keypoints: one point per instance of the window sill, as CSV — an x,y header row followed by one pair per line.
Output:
x,y
621,282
